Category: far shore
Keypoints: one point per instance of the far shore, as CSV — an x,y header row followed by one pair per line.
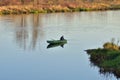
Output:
x,y
45,8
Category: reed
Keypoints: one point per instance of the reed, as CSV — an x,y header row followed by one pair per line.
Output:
x,y
58,6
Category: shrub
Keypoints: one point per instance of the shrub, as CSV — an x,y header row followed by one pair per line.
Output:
x,y
110,46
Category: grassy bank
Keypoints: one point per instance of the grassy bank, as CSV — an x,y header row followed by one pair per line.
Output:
x,y
59,7
107,58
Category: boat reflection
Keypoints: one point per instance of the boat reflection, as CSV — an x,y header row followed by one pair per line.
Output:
x,y
56,45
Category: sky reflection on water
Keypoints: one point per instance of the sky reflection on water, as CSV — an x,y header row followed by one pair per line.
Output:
x,y
24,55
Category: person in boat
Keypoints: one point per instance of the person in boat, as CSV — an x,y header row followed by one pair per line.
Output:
x,y
62,38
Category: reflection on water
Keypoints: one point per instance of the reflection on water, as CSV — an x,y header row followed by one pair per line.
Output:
x,y
27,36
29,29
22,33
29,32
56,45
105,72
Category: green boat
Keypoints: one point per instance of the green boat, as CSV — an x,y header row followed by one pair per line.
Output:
x,y
56,41
56,45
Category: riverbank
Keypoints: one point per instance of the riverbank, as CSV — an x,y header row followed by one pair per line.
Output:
x,y
67,7
107,58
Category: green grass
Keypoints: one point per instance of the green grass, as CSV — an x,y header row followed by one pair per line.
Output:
x,y
107,59
6,12
103,54
115,7
112,63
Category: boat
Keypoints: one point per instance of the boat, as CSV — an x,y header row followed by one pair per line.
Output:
x,y
56,45
56,41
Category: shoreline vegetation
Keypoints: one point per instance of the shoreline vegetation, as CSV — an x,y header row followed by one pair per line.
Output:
x,y
51,6
106,58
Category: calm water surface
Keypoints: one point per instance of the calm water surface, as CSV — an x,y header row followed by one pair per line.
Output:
x,y
23,47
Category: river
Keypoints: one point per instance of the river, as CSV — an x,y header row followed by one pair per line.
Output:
x,y
23,48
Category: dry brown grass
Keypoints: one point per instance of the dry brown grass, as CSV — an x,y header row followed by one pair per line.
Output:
x,y
60,6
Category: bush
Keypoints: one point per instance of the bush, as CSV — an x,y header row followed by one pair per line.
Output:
x,y
110,46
